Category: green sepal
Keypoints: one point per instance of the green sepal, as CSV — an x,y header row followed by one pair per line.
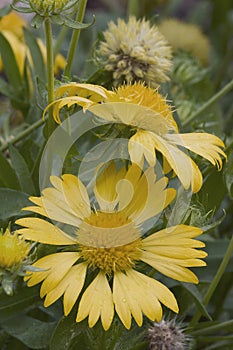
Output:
x,y
5,10
68,22
37,21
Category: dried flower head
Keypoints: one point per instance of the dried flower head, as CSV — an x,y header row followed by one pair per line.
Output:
x,y
135,51
167,335
187,37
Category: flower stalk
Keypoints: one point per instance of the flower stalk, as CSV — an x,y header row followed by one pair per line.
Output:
x,y
75,38
211,101
50,71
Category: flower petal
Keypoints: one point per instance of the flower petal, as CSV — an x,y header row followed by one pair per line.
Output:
x,y
57,270
76,195
97,302
42,231
184,167
204,144
70,285
134,293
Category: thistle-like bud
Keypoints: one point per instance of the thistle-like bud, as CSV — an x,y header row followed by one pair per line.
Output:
x,y
167,335
134,51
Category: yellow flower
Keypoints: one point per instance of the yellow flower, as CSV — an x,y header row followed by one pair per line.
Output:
x,y
107,245
134,51
13,250
21,52
147,112
13,23
186,36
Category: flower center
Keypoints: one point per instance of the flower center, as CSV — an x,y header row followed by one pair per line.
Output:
x,y
48,5
12,250
109,241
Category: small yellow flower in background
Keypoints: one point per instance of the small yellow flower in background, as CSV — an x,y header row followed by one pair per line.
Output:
x,y
135,51
13,250
8,25
14,253
107,243
148,113
13,23
186,36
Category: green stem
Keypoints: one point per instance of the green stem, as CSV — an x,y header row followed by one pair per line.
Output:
x,y
74,39
214,328
50,71
211,101
215,282
22,134
134,8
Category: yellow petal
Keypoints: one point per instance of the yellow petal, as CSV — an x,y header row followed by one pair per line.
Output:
x,y
42,231
158,197
173,233
97,302
140,146
169,268
204,144
57,270
76,195
155,289
71,286
134,293
184,167
133,115
106,187
53,204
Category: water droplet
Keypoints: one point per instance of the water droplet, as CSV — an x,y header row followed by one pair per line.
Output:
x,y
81,205
124,300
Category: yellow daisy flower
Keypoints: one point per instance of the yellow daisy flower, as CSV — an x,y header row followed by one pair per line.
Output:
x,y
13,250
147,112
107,245
134,51
186,36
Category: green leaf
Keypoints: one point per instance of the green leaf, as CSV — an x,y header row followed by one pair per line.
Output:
x,y
196,296
5,10
228,174
8,177
11,68
213,190
11,203
22,300
22,171
70,335
30,331
37,57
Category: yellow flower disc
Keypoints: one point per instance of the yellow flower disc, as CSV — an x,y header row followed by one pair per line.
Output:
x,y
12,249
